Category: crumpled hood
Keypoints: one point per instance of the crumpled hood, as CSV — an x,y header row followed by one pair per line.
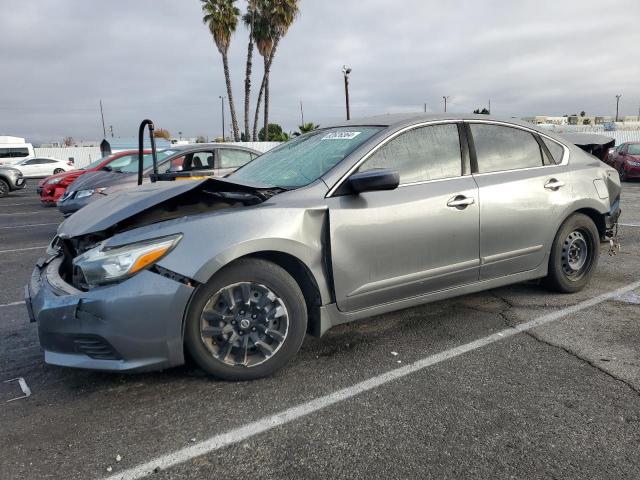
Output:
x,y
108,211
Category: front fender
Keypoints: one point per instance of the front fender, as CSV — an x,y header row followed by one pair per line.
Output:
x,y
211,241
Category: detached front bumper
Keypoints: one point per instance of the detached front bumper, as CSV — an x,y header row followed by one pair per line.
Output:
x,y
135,325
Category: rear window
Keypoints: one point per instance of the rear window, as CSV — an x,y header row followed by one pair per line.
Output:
x,y
504,148
555,149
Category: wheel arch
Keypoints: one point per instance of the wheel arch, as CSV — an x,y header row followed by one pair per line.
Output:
x,y
303,277
312,282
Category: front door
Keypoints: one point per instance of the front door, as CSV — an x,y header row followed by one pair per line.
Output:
x,y
419,238
523,194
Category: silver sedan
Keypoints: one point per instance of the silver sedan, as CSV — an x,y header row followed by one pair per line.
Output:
x,y
345,222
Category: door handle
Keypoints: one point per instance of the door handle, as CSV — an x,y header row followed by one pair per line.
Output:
x,y
553,184
460,202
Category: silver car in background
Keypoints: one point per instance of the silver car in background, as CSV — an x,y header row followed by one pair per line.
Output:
x,y
354,220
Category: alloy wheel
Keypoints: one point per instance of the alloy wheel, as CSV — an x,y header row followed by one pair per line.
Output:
x,y
244,324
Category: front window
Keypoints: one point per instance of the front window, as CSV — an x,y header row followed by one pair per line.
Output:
x,y
421,154
634,149
303,160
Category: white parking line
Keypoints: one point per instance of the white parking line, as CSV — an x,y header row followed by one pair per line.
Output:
x,y
281,418
23,249
29,225
628,225
19,213
11,304
17,204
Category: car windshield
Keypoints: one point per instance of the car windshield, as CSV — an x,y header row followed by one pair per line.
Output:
x,y
129,163
303,160
634,149
93,164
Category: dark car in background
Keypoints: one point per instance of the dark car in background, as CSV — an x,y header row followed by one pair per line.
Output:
x,y
10,179
52,188
626,160
210,160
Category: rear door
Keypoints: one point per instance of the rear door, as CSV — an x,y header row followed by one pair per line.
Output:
x,y
392,245
523,192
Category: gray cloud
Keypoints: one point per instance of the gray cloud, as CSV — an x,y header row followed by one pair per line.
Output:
x,y
154,58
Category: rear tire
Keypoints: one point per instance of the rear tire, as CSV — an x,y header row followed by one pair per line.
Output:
x,y
574,255
4,188
247,321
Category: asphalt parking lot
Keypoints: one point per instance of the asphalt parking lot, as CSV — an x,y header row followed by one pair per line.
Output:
x,y
471,387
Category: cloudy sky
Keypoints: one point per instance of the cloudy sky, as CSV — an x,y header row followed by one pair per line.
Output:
x,y
154,58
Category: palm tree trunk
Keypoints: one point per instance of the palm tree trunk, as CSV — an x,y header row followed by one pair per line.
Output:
x,y
267,66
257,114
232,108
247,88
265,79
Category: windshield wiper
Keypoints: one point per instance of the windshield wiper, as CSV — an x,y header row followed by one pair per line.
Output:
x,y
106,168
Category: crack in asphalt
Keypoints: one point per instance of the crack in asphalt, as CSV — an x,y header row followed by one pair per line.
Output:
x,y
503,314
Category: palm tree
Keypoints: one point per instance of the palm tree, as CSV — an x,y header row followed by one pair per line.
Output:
x,y
221,16
273,19
306,128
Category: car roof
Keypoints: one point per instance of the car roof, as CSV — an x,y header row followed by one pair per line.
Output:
x,y
404,119
214,146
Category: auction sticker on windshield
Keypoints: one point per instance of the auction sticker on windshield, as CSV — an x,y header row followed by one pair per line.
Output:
x,y
341,135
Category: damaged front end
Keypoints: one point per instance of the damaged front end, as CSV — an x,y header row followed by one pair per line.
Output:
x,y
86,295
89,228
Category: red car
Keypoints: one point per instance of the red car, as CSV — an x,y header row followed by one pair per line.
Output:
x,y
626,159
53,187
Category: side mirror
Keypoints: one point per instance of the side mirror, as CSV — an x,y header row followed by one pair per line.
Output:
x,y
374,180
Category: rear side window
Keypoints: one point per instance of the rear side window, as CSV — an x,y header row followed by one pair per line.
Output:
x,y
234,158
555,149
421,154
504,148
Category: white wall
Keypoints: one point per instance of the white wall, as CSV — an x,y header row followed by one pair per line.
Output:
x,y
82,156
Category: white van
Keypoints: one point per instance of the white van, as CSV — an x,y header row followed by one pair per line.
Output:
x,y
13,149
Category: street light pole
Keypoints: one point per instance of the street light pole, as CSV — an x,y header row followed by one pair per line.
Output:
x,y
445,103
346,71
222,110
617,105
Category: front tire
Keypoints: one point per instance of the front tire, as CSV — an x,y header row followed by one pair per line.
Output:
x,y
247,321
574,255
4,188
58,170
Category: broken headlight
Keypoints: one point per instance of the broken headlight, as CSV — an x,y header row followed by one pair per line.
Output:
x,y
102,264
87,193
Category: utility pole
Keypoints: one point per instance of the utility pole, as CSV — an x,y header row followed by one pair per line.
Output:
x,y
445,103
346,71
104,131
425,108
222,110
301,112
489,106
617,105
111,130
